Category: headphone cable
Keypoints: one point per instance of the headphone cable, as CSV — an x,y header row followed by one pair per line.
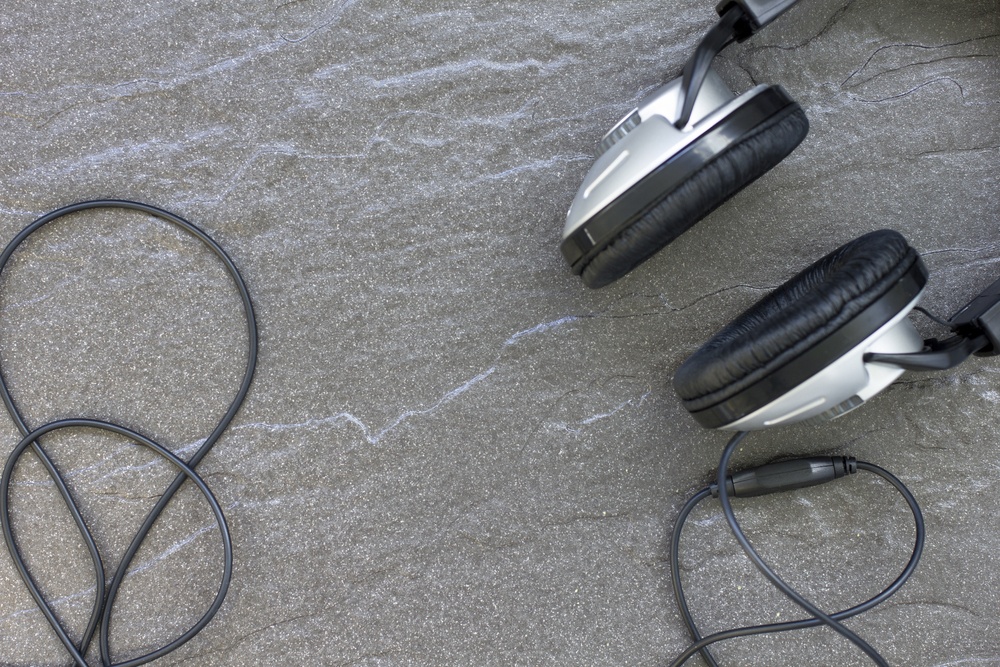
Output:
x,y
100,618
724,489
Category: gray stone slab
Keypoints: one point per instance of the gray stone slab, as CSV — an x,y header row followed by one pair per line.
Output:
x,y
454,453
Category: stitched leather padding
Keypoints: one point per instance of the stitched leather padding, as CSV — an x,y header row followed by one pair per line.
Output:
x,y
794,318
677,211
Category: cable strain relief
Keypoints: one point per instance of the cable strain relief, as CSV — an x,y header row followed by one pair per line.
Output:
x,y
850,465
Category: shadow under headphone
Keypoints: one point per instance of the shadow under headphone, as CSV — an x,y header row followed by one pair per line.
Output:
x,y
689,147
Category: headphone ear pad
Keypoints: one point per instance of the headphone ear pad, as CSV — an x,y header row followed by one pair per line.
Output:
x,y
794,318
709,187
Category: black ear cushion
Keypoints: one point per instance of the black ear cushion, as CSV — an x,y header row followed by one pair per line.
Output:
x,y
741,164
793,318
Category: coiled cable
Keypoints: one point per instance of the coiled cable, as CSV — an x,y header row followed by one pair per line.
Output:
x,y
100,617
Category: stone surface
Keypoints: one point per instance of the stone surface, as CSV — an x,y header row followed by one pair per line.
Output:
x,y
453,452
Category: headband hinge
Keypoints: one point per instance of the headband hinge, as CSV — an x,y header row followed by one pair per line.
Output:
x,y
756,13
981,317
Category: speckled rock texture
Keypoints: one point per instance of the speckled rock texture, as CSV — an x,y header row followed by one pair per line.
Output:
x,y
453,452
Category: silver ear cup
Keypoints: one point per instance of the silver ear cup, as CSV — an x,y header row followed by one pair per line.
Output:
x,y
843,385
810,348
646,139
648,166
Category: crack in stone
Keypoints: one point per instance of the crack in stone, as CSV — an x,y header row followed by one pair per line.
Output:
x,y
961,91
753,79
605,415
912,46
946,151
756,288
546,418
930,603
826,27
373,438
331,19
593,418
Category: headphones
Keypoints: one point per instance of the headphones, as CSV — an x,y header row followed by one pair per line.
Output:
x,y
820,345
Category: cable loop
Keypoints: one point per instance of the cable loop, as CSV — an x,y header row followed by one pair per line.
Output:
x,y
700,644
100,618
